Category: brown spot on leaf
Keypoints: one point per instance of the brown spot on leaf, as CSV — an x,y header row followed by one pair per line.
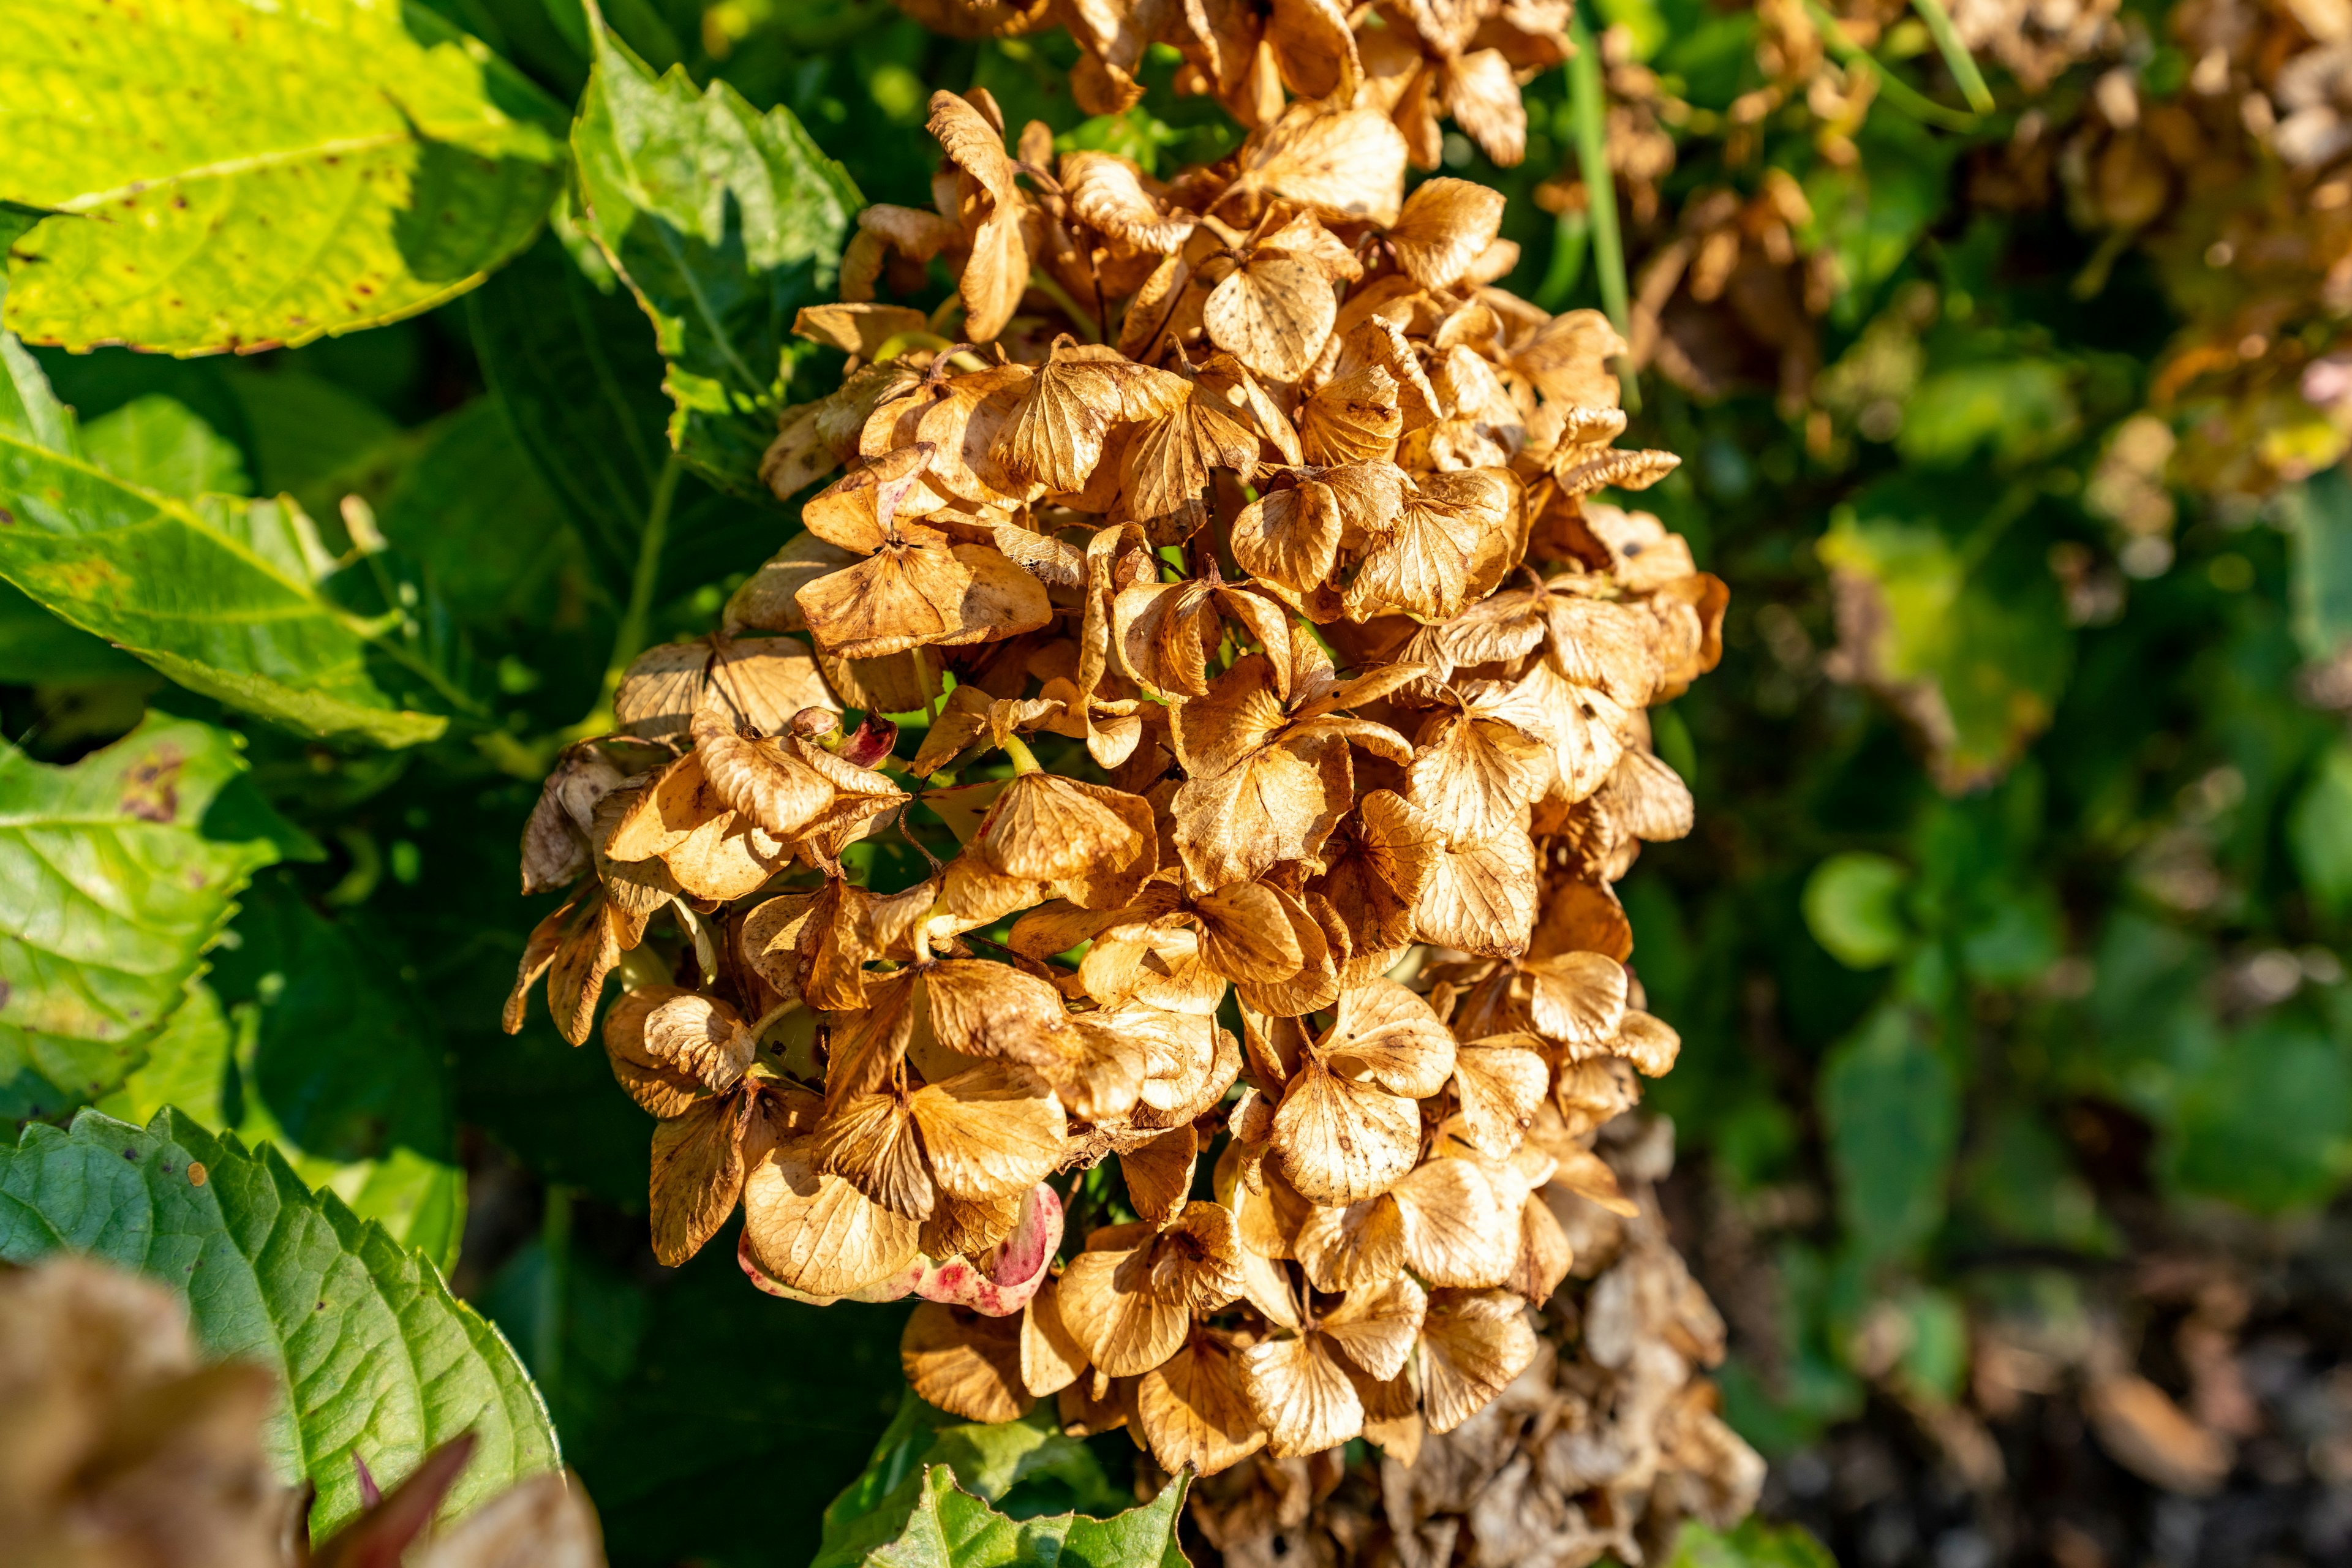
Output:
x,y
151,790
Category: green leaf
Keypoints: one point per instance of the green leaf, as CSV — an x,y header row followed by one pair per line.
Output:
x,y
987,1459
949,1528
317,441
2320,523
1972,647
35,648
115,875
1892,1109
1854,907
391,163
2264,1124
726,1383
2319,832
723,221
580,376
477,516
162,444
348,1061
380,1361
227,597
2011,410
1755,1543
206,1065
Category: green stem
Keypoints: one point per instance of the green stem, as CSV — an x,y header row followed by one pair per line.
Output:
x,y
1592,114
1893,88
1043,282
630,640
554,1281
1957,59
1025,760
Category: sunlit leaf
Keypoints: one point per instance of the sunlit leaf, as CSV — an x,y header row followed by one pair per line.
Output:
x,y
380,1361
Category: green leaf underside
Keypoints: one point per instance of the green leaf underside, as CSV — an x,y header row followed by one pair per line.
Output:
x,y
723,221
380,1361
390,163
949,1528
110,889
222,595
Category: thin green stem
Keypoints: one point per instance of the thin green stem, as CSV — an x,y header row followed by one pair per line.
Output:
x,y
1892,87
1957,59
1589,106
1043,282
630,640
1025,760
554,1287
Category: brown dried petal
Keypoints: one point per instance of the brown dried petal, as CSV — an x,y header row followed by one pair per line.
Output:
x,y
1055,432
1481,896
989,1132
1193,1410
1272,314
1340,1142
697,1175
1299,1392
1471,1344
1348,164
1349,1247
1376,1325
1444,227
1106,190
964,1363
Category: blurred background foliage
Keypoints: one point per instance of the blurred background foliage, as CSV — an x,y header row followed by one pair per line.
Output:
x,y
2007,953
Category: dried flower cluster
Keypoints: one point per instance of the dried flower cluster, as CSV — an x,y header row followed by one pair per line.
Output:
x,y
118,1447
1250,503
1598,1449
1412,60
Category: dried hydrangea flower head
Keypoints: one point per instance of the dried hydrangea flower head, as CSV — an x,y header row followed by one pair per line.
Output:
x,y
1249,972
1408,61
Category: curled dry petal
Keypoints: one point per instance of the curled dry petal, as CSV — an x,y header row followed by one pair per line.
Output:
x,y
1193,1411
1482,96
1052,1358
965,1363
697,1175
1054,431
1472,1343
1348,164
1444,227
1106,190
1375,1325
701,1037
1300,1394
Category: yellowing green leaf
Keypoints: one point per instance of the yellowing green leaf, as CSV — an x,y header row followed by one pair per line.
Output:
x,y
228,597
1973,661
115,875
229,173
